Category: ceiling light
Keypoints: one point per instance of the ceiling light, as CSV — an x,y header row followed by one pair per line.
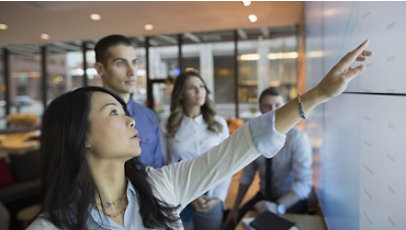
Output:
x,y
45,36
3,26
252,17
248,57
95,17
283,55
148,27
246,3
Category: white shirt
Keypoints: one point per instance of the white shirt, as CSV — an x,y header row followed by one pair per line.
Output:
x,y
191,140
183,182
291,167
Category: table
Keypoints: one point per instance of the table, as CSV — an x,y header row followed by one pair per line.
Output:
x,y
28,213
18,143
303,221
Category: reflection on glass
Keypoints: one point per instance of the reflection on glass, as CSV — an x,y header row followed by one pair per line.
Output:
x,y
56,82
25,84
93,78
262,63
74,66
2,96
163,57
224,90
140,91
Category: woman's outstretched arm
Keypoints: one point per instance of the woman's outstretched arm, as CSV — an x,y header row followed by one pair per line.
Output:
x,y
332,85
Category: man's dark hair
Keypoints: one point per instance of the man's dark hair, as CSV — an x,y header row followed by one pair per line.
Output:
x,y
102,46
271,91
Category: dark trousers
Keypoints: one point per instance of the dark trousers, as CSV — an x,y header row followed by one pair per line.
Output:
x,y
299,208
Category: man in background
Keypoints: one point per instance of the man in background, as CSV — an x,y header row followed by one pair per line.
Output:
x,y
285,180
116,64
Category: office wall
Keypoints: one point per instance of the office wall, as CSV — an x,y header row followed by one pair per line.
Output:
x,y
359,138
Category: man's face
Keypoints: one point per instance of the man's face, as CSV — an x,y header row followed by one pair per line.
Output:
x,y
119,72
269,103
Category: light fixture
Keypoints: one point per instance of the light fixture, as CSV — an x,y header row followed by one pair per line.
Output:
x,y
45,36
270,56
148,27
3,26
283,55
246,3
252,17
315,54
248,57
95,17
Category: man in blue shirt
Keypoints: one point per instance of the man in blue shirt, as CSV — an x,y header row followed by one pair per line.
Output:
x,y
116,64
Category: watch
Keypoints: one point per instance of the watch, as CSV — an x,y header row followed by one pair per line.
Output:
x,y
280,209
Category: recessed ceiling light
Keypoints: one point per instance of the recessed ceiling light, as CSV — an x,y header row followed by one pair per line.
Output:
x,y
95,17
3,26
149,27
45,36
252,17
246,3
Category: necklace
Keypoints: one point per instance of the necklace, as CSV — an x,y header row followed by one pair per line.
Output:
x,y
109,204
106,206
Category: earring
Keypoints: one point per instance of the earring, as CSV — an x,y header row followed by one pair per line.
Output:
x,y
87,145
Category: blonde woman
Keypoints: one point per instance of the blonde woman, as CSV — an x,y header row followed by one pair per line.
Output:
x,y
193,128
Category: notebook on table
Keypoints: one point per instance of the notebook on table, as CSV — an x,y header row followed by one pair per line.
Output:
x,y
269,220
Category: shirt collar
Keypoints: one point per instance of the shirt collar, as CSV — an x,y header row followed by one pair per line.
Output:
x,y
198,120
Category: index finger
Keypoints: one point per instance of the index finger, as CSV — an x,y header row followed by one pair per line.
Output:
x,y
348,59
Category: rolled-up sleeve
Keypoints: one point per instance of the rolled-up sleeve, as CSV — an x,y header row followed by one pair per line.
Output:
x,y
260,130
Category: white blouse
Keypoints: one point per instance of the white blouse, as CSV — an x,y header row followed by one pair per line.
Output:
x,y
191,140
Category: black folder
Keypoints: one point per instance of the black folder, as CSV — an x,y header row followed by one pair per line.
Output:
x,y
268,220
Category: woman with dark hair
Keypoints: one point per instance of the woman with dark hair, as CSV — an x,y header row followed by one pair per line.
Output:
x,y
193,128
87,140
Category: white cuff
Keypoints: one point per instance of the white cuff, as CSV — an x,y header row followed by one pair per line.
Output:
x,y
268,141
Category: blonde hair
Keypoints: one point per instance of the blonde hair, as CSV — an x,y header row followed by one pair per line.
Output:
x,y
208,109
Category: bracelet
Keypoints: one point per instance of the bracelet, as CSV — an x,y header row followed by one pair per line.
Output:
x,y
300,104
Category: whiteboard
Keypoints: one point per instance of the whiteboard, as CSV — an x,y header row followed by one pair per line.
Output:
x,y
359,137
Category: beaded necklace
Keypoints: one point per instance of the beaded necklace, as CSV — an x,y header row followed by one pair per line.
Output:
x,y
107,205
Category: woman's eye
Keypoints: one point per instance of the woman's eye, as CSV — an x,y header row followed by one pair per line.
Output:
x,y
114,112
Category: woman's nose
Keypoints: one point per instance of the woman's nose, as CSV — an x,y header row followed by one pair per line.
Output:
x,y
132,122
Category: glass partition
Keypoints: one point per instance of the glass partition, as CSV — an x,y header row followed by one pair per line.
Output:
x,y
74,70
266,58
57,75
25,84
2,94
140,92
163,66
92,77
